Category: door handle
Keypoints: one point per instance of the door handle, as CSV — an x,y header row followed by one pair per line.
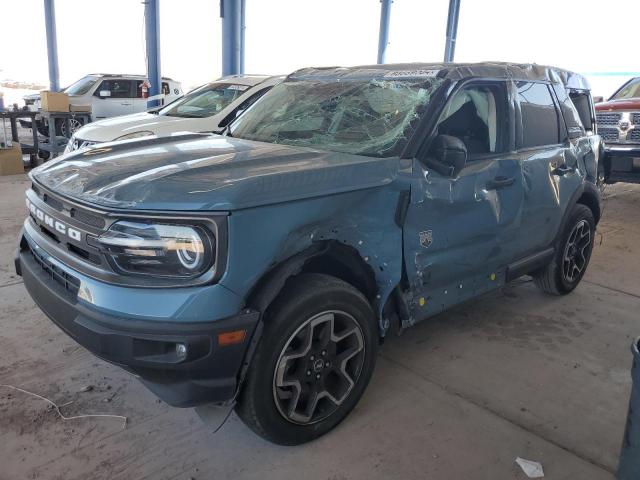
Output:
x,y
562,169
500,182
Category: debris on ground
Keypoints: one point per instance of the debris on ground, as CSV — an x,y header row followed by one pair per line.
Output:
x,y
530,468
86,388
54,406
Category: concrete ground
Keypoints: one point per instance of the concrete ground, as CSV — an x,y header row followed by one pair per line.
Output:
x,y
514,373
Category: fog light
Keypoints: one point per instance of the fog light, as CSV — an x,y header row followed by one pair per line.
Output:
x,y
181,351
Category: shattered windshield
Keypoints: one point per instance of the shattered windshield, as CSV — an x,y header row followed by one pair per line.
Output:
x,y
363,117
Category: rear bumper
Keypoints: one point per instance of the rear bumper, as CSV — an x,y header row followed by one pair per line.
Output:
x,y
622,163
207,374
626,150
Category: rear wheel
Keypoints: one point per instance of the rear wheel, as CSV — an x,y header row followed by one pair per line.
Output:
x,y
313,363
74,125
573,252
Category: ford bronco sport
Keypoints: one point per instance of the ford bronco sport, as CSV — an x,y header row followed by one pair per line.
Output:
x,y
260,269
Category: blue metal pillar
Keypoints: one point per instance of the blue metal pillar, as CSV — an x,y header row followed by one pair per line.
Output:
x,y
232,14
385,20
452,30
152,37
52,44
243,27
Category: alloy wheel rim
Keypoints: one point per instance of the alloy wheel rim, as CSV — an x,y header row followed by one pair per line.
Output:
x,y
73,124
318,367
576,251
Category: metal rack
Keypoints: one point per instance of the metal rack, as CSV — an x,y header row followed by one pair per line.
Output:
x,y
56,144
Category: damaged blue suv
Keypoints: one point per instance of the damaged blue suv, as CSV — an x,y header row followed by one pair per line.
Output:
x,y
261,268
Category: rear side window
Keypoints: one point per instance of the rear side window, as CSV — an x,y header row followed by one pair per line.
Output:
x,y
165,89
582,102
540,124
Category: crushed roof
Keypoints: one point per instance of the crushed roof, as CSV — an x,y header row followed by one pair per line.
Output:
x,y
450,71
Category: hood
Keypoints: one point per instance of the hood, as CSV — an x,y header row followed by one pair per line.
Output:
x,y
206,172
109,129
621,104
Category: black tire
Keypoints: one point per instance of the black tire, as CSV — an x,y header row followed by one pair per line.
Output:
x,y
304,298
74,124
555,278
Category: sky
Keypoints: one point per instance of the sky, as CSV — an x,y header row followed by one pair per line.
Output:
x,y
587,36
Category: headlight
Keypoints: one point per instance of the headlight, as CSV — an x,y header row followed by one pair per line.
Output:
x,y
128,136
158,249
69,147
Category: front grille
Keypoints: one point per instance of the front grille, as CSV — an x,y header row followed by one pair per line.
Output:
x,y
69,282
57,204
608,134
83,216
635,118
609,118
89,219
634,135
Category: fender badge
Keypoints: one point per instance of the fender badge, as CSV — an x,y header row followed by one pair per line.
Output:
x,y
426,238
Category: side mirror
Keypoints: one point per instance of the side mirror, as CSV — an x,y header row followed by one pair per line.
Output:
x,y
449,155
598,99
104,94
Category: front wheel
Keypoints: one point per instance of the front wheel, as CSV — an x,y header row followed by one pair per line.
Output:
x,y
313,363
573,252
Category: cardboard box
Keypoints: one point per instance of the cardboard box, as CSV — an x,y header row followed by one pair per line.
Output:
x,y
11,160
54,101
80,108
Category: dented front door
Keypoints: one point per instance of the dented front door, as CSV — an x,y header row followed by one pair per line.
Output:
x,y
459,234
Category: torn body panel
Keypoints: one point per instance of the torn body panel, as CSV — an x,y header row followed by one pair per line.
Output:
x,y
471,229
362,220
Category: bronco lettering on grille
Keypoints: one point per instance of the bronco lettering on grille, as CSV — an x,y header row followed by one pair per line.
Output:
x,y
57,225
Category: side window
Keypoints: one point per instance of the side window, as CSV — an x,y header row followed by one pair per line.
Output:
x,y
540,125
139,83
118,88
582,103
477,115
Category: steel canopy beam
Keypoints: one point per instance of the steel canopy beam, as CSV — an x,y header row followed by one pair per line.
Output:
x,y
52,44
452,30
152,40
232,13
385,20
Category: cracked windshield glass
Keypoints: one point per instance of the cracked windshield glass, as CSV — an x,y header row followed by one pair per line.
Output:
x,y
369,117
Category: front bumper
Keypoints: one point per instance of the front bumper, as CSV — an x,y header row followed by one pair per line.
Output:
x,y
208,374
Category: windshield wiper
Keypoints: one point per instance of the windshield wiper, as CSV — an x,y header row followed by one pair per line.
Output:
x,y
182,115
